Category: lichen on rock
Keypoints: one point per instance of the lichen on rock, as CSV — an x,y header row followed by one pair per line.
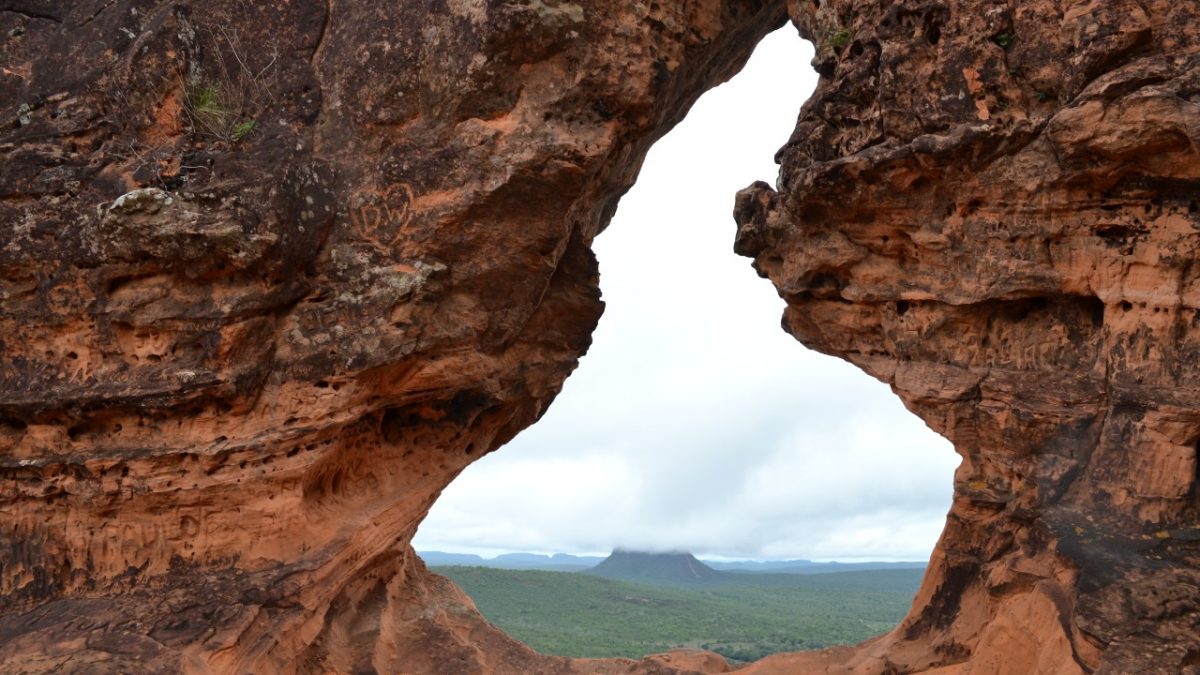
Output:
x,y
1010,248
229,395
231,392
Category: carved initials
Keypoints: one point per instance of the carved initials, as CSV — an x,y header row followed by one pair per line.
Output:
x,y
379,217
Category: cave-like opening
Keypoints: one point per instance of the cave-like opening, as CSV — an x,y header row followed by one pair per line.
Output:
x,y
694,423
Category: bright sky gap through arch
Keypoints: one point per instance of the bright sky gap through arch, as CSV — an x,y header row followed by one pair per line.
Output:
x,y
695,423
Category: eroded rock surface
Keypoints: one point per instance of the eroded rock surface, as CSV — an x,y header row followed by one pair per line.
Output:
x,y
272,274
995,208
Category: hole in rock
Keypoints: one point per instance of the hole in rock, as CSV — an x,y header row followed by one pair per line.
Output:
x,y
933,34
1196,470
695,425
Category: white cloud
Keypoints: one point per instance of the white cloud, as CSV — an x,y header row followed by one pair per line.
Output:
x,y
695,422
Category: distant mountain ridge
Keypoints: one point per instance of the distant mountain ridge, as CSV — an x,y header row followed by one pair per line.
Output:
x,y
808,566
563,562
660,568
560,562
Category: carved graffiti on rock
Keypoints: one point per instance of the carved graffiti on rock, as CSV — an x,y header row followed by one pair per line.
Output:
x,y
379,216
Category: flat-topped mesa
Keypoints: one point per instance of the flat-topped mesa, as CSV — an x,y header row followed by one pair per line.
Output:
x,y
995,210
665,568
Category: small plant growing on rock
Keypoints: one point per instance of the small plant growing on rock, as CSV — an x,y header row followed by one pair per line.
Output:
x,y
209,108
220,103
840,39
243,129
218,109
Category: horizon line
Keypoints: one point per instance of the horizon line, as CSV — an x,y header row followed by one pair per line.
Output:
x,y
716,558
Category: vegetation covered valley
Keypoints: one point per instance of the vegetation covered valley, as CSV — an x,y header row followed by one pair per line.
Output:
x,y
741,616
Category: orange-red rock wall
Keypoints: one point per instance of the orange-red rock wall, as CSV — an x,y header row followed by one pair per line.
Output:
x,y
272,274
995,208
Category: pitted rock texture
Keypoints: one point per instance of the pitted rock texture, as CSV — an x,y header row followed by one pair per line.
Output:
x,y
995,208
271,275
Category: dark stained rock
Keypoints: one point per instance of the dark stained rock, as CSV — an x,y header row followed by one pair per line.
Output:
x,y
272,274
993,207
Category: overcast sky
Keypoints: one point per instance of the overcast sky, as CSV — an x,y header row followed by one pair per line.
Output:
x,y
695,423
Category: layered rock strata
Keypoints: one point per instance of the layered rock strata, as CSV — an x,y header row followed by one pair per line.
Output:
x,y
995,208
272,274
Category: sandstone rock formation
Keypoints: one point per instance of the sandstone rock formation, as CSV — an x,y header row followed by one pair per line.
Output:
x,y
995,208
273,273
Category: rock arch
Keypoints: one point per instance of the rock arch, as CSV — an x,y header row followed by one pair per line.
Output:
x,y
343,250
